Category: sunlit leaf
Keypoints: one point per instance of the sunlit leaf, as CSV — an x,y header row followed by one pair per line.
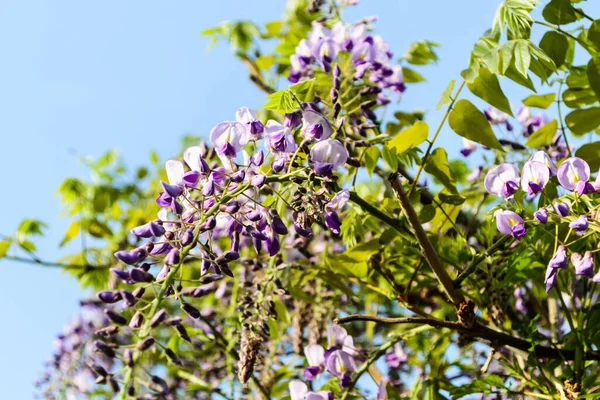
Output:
x,y
409,138
590,152
438,166
467,121
539,101
543,136
487,87
583,121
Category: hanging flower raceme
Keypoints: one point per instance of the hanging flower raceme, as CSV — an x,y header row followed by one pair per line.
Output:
x,y
370,54
510,223
502,180
573,174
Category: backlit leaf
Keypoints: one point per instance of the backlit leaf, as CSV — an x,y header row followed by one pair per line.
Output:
x,y
409,138
540,101
487,87
467,121
583,121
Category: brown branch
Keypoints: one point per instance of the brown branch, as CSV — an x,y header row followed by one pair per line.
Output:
x,y
255,74
477,331
428,251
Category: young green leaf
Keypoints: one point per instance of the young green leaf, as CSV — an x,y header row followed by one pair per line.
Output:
x,y
455,199
543,136
411,76
467,121
556,46
438,166
590,152
487,87
421,53
4,246
560,12
445,98
522,57
593,34
593,74
540,101
71,232
286,101
409,138
583,121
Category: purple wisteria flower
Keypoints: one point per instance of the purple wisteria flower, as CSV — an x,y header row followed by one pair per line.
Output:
x,y
510,223
558,261
299,391
396,358
228,138
327,156
279,138
469,146
584,266
315,355
497,117
561,209
573,174
534,177
315,126
248,117
530,123
541,215
545,159
502,180
580,224
332,209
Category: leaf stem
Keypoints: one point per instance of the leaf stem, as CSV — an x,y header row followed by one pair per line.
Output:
x,y
437,132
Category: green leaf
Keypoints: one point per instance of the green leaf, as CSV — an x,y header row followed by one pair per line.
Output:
x,y
390,158
427,213
560,12
583,121
265,62
593,34
445,99
593,74
487,87
456,199
439,167
371,158
543,137
421,53
577,98
98,229
29,228
283,101
522,57
514,15
409,138
556,46
411,76
71,232
540,101
590,152
304,91
4,246
467,121
515,76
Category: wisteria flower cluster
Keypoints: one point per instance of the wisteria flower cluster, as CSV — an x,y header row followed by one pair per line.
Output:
x,y
572,175
370,55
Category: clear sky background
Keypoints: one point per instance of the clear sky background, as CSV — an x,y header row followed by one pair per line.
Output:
x,y
81,77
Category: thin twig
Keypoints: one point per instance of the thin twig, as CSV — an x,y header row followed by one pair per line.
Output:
x,y
479,258
477,331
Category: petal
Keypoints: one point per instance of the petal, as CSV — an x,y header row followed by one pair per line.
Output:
x,y
174,171
315,354
298,390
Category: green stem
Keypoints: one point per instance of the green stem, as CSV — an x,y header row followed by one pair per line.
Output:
x,y
562,125
437,132
479,258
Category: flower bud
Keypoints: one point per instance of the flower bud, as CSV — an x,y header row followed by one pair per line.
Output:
x,y
128,358
109,297
145,344
139,275
139,292
159,317
190,310
115,317
136,321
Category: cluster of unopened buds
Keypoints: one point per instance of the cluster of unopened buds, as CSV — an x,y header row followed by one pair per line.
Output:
x,y
574,176
370,56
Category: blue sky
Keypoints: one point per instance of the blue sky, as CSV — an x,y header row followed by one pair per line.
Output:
x,y
80,77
